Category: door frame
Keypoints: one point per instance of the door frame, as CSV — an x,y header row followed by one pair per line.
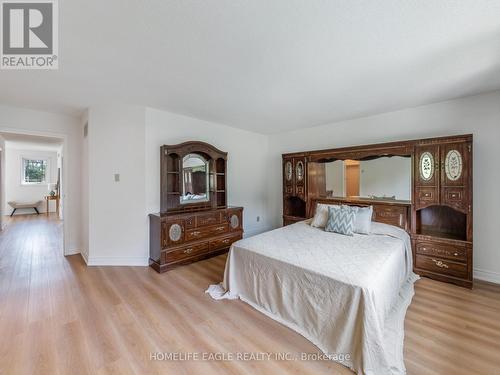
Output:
x,y
64,138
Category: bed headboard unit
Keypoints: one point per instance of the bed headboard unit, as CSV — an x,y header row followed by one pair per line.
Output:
x,y
391,212
439,217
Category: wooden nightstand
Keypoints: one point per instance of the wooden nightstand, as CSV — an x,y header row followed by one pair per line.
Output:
x,y
49,198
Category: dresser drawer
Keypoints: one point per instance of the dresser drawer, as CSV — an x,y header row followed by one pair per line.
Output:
x,y
204,220
456,253
186,252
221,243
441,266
194,234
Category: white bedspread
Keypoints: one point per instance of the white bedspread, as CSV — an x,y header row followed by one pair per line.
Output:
x,y
347,295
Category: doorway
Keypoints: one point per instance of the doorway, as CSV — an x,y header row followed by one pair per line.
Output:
x,y
31,184
352,178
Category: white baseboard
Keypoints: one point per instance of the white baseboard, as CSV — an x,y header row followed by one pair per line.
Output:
x,y
118,261
72,252
85,257
490,276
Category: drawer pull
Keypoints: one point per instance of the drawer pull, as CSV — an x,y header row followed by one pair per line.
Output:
x,y
226,241
188,251
220,228
195,233
440,263
456,254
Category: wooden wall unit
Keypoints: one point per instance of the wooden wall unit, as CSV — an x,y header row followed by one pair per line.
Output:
x,y
441,212
185,232
302,181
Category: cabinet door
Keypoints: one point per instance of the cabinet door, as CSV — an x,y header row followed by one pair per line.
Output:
x,y
299,169
427,176
455,161
288,176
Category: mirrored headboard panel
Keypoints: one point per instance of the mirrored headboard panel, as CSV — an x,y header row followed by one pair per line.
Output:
x,y
378,178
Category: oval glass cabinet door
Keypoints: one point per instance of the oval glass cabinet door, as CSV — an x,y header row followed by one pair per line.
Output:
x,y
288,170
426,166
453,165
299,171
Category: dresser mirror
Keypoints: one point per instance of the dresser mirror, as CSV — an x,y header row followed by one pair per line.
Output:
x,y
379,178
195,177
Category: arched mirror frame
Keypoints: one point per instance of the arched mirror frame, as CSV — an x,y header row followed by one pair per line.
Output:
x,y
171,184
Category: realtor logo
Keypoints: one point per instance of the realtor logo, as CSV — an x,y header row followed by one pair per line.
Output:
x,y
29,34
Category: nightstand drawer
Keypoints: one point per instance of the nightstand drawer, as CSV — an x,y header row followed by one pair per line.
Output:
x,y
441,266
452,252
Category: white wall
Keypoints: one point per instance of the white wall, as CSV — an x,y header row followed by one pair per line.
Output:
x,y
2,180
15,191
479,115
126,140
84,198
20,120
386,177
117,221
247,162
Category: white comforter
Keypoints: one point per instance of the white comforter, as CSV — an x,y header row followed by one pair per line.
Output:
x,y
347,295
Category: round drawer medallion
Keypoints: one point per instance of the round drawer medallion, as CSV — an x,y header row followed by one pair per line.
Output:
x,y
235,221
175,232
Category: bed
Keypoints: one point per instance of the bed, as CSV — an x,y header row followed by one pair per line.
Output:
x,y
347,295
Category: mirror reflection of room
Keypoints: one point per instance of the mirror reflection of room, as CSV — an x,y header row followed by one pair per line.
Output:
x,y
195,178
387,178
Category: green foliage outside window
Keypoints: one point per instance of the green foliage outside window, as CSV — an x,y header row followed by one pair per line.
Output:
x,y
34,171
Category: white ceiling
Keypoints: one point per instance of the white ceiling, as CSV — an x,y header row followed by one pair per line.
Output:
x,y
266,65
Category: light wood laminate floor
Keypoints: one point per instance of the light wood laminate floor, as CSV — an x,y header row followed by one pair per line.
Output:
x,y
58,316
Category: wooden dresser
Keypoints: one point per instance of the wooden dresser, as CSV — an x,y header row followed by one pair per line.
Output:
x,y
184,238
194,223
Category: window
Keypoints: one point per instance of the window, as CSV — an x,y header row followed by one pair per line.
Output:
x,y
34,171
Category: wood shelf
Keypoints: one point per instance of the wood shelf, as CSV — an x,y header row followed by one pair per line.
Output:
x,y
441,235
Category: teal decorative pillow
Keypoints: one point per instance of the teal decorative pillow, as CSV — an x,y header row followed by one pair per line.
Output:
x,y
341,220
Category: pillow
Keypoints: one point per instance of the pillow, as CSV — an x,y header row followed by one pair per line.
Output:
x,y
321,215
363,221
341,220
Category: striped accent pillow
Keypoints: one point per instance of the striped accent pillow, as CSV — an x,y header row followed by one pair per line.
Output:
x,y
341,221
